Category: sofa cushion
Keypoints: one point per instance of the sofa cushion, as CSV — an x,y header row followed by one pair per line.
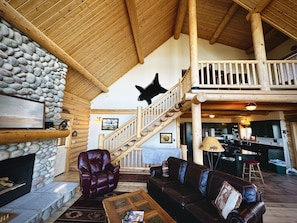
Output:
x,y
181,194
248,190
165,169
227,199
196,177
177,169
203,210
157,184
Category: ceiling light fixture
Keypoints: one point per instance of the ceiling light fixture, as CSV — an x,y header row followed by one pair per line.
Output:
x,y
211,116
251,106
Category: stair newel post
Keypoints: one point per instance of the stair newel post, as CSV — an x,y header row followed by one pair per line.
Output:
x,y
138,122
180,88
101,141
184,152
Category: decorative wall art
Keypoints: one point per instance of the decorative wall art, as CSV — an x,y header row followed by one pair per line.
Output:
x,y
21,113
165,137
151,90
110,123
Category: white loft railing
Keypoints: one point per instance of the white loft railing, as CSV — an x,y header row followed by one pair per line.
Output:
x,y
242,74
282,74
228,74
133,127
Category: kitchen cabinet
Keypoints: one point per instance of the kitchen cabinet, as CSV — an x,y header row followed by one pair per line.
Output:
x,y
267,129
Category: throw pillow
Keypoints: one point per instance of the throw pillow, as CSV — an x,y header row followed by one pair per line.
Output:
x,y
227,199
165,170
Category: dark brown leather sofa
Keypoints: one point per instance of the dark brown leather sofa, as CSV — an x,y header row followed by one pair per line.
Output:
x,y
189,192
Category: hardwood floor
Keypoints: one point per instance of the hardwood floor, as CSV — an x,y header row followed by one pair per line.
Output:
x,y
279,194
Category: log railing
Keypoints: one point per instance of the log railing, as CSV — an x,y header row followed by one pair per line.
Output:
x,y
282,74
228,74
243,75
133,161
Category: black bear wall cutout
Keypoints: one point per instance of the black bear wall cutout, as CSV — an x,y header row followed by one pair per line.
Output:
x,y
151,90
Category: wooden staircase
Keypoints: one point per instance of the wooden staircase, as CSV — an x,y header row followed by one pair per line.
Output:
x,y
147,122
145,135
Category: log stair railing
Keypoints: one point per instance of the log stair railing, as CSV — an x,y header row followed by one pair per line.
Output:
x,y
147,122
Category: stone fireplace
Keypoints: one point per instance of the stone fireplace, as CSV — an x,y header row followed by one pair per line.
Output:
x,y
15,177
29,71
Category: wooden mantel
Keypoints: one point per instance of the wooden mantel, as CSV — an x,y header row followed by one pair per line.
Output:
x,y
16,136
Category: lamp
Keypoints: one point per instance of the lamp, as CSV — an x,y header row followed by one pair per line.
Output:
x,y
211,145
251,106
211,116
245,122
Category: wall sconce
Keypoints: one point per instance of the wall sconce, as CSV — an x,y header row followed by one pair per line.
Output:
x,y
98,119
211,116
251,106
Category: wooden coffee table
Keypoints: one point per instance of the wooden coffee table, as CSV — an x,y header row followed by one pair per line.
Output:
x,y
117,206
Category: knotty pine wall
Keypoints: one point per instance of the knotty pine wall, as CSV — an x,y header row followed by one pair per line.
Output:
x,y
291,120
80,109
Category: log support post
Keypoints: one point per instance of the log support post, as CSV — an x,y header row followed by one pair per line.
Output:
x,y
259,50
196,108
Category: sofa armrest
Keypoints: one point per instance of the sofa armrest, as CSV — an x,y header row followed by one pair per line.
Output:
x,y
250,212
112,168
156,171
85,177
85,180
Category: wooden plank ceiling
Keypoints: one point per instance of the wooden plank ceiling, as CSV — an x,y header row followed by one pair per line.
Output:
x,y
107,38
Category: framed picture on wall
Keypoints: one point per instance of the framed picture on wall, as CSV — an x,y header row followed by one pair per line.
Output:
x,y
165,137
110,123
21,113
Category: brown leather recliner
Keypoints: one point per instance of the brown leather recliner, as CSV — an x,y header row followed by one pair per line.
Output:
x,y
97,175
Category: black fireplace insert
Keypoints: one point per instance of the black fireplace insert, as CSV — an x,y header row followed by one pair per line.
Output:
x,y
15,177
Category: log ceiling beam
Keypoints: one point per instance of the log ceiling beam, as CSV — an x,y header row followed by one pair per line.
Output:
x,y
246,96
228,16
261,5
131,7
181,13
20,22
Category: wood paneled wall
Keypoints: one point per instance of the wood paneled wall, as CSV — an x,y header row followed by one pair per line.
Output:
x,y
291,120
80,109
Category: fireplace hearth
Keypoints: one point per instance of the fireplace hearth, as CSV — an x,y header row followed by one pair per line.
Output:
x,y
17,173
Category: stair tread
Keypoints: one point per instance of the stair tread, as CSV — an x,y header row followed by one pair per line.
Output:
x,y
169,114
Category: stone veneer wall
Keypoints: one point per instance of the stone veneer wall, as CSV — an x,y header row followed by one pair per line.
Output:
x,y
29,71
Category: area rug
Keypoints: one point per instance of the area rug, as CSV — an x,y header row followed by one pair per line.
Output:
x,y
141,178
86,210
7,217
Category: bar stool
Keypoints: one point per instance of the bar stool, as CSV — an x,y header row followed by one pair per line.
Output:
x,y
252,169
